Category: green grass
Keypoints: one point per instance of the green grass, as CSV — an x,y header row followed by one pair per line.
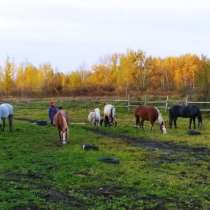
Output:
x,y
37,173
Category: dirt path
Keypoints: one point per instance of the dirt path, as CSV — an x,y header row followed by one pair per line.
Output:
x,y
47,192
147,143
169,147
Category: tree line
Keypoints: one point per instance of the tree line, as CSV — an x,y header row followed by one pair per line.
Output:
x,y
119,74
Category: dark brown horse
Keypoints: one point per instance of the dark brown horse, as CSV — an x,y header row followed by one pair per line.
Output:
x,y
151,114
189,111
61,122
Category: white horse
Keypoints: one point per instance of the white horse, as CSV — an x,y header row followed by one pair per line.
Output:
x,y
110,115
6,111
95,117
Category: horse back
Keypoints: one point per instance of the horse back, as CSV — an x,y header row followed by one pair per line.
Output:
x,y
6,110
147,113
60,121
184,111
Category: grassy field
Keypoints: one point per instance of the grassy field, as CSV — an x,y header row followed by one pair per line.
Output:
x,y
155,171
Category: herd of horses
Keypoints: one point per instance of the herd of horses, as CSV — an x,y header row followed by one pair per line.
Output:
x,y
149,113
109,118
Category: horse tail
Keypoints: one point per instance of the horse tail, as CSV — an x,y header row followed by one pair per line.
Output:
x,y
137,119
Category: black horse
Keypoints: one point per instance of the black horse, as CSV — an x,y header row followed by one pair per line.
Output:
x,y
186,111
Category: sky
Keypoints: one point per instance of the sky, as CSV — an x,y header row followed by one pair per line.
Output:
x,y
73,34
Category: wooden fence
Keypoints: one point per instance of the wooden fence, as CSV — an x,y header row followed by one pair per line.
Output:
x,y
163,104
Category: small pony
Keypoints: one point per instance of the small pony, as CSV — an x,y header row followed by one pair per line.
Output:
x,y
151,114
189,111
6,111
109,115
61,122
95,117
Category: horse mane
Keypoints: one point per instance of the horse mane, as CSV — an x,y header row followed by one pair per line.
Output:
x,y
160,118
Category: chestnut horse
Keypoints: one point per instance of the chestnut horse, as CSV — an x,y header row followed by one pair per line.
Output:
x,y
151,114
61,122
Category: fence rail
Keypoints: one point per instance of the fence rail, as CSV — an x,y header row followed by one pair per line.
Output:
x,y
165,104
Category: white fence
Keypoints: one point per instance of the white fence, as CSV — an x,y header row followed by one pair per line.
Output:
x,y
163,104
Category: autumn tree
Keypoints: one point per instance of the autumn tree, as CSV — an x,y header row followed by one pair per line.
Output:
x,y
7,77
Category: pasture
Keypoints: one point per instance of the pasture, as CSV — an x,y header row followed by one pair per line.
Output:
x,y
155,172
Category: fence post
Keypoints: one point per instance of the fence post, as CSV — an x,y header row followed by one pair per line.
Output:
x,y
145,100
128,102
166,108
186,100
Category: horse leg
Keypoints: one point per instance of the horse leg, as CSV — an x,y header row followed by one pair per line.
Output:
x,y
60,136
137,121
10,119
64,135
142,124
199,122
106,121
170,123
1,126
101,122
111,121
194,125
67,135
152,123
115,123
3,123
190,122
175,123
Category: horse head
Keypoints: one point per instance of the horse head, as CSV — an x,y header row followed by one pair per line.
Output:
x,y
64,136
163,127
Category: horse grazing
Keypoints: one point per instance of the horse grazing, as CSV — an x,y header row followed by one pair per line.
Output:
x,y
6,111
185,111
151,114
109,115
95,117
61,122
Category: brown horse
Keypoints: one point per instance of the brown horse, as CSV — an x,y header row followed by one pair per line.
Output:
x,y
61,122
151,114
